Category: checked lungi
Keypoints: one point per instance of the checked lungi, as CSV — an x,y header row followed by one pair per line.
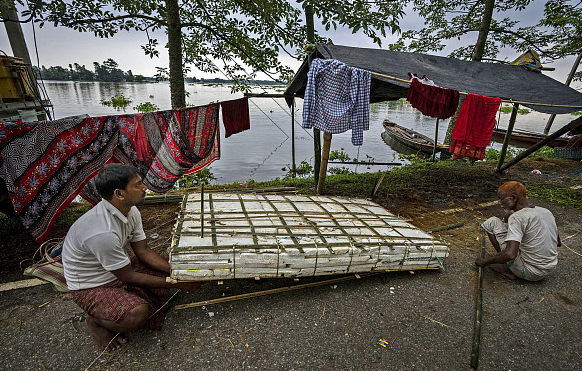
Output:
x,y
114,300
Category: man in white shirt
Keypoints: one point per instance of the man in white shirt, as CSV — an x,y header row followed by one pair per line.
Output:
x,y
526,240
119,293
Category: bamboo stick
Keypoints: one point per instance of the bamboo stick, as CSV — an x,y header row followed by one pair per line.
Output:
x,y
273,291
479,309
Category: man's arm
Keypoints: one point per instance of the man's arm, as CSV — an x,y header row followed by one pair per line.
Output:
x,y
132,278
149,257
504,256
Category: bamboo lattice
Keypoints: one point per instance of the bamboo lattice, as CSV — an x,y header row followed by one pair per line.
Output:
x,y
222,236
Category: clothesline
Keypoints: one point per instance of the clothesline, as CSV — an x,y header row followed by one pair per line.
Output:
x,y
376,74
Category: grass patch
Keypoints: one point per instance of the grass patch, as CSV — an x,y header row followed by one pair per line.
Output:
x,y
72,213
560,195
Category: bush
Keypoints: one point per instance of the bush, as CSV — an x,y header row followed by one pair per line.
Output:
x,y
146,107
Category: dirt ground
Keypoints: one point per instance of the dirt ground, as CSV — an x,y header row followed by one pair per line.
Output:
x,y
427,317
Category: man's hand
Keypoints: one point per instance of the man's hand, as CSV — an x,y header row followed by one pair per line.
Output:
x,y
480,261
188,286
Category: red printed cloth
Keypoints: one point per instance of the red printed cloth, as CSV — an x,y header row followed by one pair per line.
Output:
x,y
432,100
114,300
235,116
474,126
46,164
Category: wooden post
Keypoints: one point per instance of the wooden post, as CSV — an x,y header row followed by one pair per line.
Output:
x,y
436,137
316,133
324,159
507,135
293,167
568,81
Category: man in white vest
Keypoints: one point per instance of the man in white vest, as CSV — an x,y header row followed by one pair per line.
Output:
x,y
526,240
118,292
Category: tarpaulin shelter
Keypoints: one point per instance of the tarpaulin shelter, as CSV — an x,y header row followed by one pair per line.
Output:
x,y
508,82
390,70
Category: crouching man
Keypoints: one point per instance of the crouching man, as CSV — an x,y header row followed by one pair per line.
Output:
x,y
526,239
118,294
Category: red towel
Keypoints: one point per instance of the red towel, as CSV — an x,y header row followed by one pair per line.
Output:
x,y
141,138
474,126
235,116
431,100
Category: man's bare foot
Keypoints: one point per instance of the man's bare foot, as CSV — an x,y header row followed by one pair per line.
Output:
x,y
104,338
504,270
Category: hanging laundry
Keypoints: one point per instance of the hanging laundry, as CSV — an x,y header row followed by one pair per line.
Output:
x,y
337,98
474,126
46,164
430,99
235,116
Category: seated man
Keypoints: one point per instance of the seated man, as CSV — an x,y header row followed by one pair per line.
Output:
x,y
526,239
119,294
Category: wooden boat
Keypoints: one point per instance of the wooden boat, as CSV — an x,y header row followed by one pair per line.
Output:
x,y
526,139
410,138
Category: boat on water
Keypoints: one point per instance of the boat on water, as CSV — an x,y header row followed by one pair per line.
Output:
x,y
525,138
409,139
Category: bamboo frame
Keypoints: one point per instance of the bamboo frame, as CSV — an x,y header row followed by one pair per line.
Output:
x,y
297,232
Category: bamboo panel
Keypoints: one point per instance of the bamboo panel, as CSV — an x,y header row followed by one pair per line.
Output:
x,y
252,235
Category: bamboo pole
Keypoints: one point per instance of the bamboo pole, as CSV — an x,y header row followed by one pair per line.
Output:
x,y
507,135
572,125
436,138
202,211
274,291
324,158
446,227
479,309
568,81
293,167
316,133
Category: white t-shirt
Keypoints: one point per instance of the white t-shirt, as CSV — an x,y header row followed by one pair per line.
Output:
x,y
96,245
536,231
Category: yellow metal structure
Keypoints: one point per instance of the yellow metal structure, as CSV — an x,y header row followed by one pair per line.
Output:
x,y
16,85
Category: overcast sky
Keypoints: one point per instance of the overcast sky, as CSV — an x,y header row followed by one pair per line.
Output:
x,y
61,46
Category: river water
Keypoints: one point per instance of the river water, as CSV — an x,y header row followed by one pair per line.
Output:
x,y
261,152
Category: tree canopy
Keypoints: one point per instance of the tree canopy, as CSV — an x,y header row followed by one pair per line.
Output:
x,y
237,37
456,21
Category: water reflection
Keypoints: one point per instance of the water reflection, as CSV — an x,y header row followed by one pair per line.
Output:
x,y
261,153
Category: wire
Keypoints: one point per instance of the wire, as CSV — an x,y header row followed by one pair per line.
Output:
x,y
40,75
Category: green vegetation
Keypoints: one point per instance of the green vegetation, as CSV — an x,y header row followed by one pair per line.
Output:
x,y
577,113
108,71
493,154
118,101
204,176
561,195
146,107
508,109
72,213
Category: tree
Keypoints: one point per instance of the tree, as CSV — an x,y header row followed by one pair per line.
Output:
x,y
447,22
108,71
458,20
55,73
219,35
564,19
